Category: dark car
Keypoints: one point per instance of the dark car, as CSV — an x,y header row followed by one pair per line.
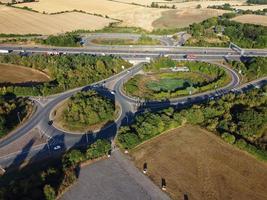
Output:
x,y
50,122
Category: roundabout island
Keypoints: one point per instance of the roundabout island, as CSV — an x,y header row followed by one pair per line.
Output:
x,y
85,112
167,79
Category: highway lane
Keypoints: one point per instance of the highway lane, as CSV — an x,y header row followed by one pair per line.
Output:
x,y
144,50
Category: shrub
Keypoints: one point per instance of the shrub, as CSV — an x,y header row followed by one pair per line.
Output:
x,y
49,193
228,138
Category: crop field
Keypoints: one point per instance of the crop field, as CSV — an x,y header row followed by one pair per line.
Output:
x,y
134,15
196,163
131,15
252,19
18,74
182,4
184,17
18,21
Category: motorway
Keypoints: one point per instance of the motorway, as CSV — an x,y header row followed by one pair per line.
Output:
x,y
128,104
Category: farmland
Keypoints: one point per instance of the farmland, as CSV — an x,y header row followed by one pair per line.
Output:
x,y
135,15
18,21
201,166
185,17
18,74
252,19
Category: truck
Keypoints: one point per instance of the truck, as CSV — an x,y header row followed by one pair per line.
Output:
x,y
4,51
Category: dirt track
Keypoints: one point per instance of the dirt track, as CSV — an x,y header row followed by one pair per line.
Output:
x,y
197,163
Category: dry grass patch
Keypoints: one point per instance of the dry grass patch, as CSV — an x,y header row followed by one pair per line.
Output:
x,y
185,17
252,19
19,21
18,74
197,163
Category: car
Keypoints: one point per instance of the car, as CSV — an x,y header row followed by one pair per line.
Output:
x,y
128,71
50,122
57,147
112,92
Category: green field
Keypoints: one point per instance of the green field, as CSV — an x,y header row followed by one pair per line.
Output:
x,y
168,84
157,82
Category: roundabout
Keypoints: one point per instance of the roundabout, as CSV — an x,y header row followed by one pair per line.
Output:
x,y
129,107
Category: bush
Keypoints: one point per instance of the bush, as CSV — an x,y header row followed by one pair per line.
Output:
x,y
72,158
228,138
49,193
67,40
98,149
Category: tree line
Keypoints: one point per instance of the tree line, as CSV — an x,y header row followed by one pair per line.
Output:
x,y
47,181
242,34
251,68
12,110
66,71
257,1
240,119
64,40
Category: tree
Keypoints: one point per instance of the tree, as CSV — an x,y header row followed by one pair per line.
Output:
x,y
72,158
98,149
49,193
228,138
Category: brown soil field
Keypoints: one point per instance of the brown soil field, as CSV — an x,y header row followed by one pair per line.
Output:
x,y
20,21
195,162
18,74
185,17
252,19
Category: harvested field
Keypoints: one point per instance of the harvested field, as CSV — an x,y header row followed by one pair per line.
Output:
x,y
252,7
131,15
18,21
18,74
103,7
185,17
197,163
189,4
252,19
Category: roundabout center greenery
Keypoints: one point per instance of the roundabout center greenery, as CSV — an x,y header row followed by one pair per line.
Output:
x,y
85,111
165,78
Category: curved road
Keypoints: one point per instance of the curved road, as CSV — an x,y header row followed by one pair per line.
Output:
x,y
65,140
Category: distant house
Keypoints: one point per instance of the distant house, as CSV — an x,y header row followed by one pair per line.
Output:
x,y
180,69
